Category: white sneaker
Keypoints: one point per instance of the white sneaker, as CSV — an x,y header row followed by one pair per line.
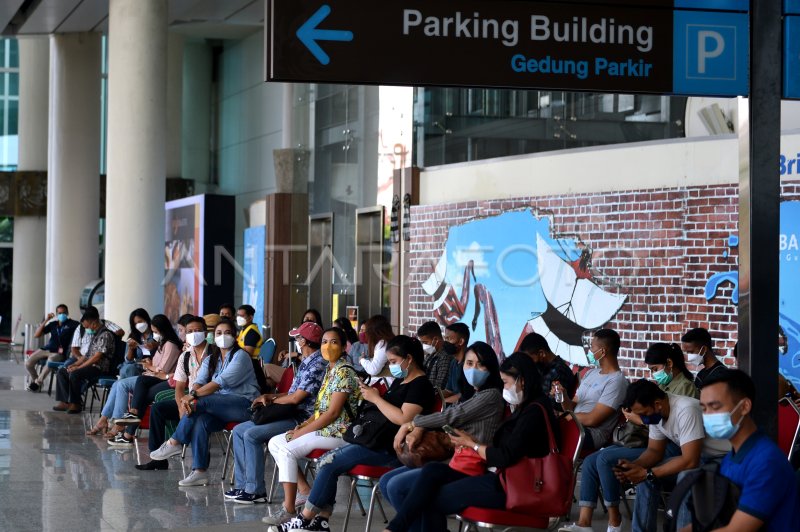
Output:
x,y
279,517
300,499
614,528
195,478
165,451
575,527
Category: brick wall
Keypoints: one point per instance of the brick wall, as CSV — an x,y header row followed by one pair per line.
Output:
x,y
658,246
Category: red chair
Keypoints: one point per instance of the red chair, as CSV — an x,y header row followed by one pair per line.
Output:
x,y
371,474
788,427
227,433
572,437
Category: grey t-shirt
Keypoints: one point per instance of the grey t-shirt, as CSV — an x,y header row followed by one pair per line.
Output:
x,y
607,389
685,424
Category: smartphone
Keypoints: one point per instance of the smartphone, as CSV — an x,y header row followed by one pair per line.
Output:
x,y
618,468
450,430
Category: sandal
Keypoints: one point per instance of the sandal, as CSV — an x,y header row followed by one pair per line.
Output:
x,y
111,432
97,430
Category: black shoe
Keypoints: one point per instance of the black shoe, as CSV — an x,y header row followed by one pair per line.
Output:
x,y
33,387
318,524
154,465
250,498
232,494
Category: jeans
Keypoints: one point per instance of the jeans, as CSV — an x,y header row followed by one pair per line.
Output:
x,y
144,393
212,413
337,463
117,403
248,452
160,413
425,497
69,385
596,472
130,369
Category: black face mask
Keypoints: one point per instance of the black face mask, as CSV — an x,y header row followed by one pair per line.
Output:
x,y
450,348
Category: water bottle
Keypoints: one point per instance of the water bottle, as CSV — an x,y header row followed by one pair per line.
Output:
x,y
559,395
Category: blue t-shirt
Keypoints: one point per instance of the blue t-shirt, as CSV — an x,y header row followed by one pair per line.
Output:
x,y
454,377
768,484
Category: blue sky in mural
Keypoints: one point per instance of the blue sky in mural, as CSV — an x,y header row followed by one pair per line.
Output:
x,y
789,300
504,251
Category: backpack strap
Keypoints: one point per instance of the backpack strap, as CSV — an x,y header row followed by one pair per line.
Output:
x,y
682,489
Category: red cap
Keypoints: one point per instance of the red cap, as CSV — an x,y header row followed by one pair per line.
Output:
x,y
309,330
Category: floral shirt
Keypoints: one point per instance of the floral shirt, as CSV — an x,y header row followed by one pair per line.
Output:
x,y
309,379
340,378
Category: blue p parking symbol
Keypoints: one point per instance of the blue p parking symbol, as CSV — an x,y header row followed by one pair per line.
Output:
x,y
707,53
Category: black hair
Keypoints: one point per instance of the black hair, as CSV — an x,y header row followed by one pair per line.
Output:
x,y
161,322
699,336
377,328
62,305
740,385
91,313
184,320
533,343
197,319
488,358
610,340
429,328
316,314
519,365
142,314
339,332
644,392
249,310
216,352
461,330
345,325
228,306
660,352
405,346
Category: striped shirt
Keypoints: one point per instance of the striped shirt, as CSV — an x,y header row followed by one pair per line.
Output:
x,y
480,416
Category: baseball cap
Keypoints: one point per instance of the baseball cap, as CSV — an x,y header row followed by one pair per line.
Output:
x,y
309,330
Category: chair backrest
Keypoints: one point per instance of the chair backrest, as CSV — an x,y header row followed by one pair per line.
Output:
x,y
286,380
788,426
267,351
439,404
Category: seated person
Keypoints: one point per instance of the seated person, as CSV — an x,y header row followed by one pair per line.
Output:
x,y
379,332
334,410
678,419
437,361
769,498
699,349
225,387
249,339
359,348
81,340
56,349
456,340
180,328
477,417
669,371
97,362
411,394
551,366
226,310
140,344
285,358
186,370
249,438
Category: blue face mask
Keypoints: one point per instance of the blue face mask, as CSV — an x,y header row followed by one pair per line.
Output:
x,y
593,360
476,377
89,331
719,426
652,419
62,318
397,371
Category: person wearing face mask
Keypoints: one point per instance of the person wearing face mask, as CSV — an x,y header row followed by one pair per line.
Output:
x,y
226,310
249,438
600,394
359,348
180,330
438,363
249,340
551,366
60,330
668,370
334,410
477,415
186,371
441,491
379,332
699,349
140,344
676,419
411,394
456,340
224,390
769,498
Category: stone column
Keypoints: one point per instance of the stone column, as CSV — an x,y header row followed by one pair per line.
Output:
x,y
137,125
73,188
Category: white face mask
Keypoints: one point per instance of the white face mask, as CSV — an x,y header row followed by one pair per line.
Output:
x,y
429,349
141,326
195,338
224,341
695,358
512,396
240,321
157,337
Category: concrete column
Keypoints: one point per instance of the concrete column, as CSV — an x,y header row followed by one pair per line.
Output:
x,y
137,105
196,117
30,232
174,104
73,187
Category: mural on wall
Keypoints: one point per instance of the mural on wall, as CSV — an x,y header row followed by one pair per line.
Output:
x,y
524,279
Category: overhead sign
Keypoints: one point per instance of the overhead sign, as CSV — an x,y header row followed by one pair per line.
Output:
x,y
791,57
791,7
485,43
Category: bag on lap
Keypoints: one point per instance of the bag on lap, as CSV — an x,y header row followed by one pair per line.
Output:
x,y
631,435
273,412
434,447
714,499
371,429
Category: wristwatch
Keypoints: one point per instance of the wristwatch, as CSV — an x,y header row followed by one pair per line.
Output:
x,y
476,447
651,476
193,393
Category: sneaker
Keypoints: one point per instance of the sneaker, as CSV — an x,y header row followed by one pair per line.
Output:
x,y
280,517
614,528
120,441
249,498
232,494
195,478
33,387
318,524
300,499
165,451
296,522
127,419
575,527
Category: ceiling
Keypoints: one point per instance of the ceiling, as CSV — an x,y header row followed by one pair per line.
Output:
x,y
213,19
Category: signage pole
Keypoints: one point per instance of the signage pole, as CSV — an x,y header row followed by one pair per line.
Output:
x,y
759,211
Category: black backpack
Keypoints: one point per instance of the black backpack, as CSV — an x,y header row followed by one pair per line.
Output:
x,y
714,499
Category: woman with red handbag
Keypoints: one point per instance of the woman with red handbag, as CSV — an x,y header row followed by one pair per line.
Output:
x,y
439,492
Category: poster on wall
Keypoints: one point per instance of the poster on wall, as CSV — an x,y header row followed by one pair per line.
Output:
x,y
183,262
254,270
789,306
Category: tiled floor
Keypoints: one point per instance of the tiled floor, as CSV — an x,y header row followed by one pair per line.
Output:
x,y
54,478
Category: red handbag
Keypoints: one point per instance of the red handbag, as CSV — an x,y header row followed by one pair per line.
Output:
x,y
469,462
539,485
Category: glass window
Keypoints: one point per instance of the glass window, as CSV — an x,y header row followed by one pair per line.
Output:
x,y
13,53
13,83
6,229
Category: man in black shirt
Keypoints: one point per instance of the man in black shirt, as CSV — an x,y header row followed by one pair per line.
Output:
x,y
699,349
57,348
551,366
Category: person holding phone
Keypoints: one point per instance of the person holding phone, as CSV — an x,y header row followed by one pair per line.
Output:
x,y
141,344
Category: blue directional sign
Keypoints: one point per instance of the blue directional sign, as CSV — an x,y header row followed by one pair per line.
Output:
x,y
791,7
641,46
791,57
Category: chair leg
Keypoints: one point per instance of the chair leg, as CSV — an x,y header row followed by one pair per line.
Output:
x,y
183,452
377,496
271,493
50,384
372,506
353,482
227,456
105,397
